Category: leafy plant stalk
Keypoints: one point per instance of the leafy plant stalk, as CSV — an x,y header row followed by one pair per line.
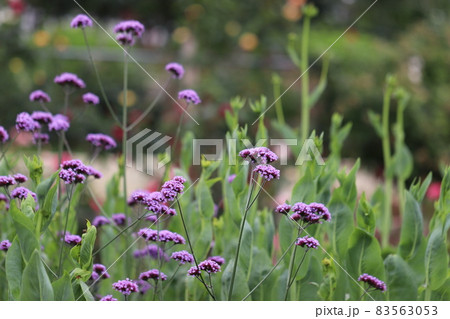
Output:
x,y
305,78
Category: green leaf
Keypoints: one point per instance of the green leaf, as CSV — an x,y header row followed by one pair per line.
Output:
x,y
436,260
205,201
82,291
418,190
305,189
87,246
48,208
43,188
400,279
36,285
35,168
320,88
403,163
341,224
25,231
246,253
81,274
63,289
412,228
14,266
365,216
375,120
240,288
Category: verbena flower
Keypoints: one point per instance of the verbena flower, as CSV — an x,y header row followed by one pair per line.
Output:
x,y
100,270
172,188
5,244
194,272
42,138
22,193
152,251
94,173
102,141
125,287
218,259
70,79
320,210
90,98
108,298
24,122
283,209
39,96
154,274
175,69
59,123
81,21
125,39
313,213
307,241
373,281
119,219
163,236
268,172
132,27
19,178
210,266
100,221
137,197
258,155
167,211
231,178
144,286
4,136
190,96
74,172
6,181
42,117
182,256
72,239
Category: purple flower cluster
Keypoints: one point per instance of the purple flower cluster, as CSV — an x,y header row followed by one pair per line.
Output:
x,y
125,39
209,266
72,239
59,123
42,138
119,219
152,251
182,256
127,30
81,21
99,272
108,298
309,242
154,274
74,172
39,96
373,281
71,79
19,178
90,98
125,287
6,181
171,189
100,221
218,259
163,236
42,117
268,172
283,209
4,136
190,96
4,245
24,122
258,155
22,193
101,141
175,69
313,213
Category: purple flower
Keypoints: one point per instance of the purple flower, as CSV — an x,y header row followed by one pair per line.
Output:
x,y
152,218
125,287
182,256
19,178
373,281
153,274
312,213
71,79
179,179
171,189
81,21
90,98
231,178
175,69
194,272
178,239
24,122
102,141
3,135
100,221
190,96
6,181
94,173
307,241
119,219
39,96
137,197
152,251
42,138
74,172
268,172
59,123
148,234
42,117
132,27
5,244
321,210
283,209
72,239
262,154
218,259
144,286
125,39
210,266
22,193
168,211
100,270
108,298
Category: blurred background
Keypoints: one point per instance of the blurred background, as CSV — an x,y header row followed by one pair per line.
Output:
x,y
231,48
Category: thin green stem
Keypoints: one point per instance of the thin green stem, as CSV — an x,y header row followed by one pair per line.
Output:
x,y
305,79
171,279
291,268
295,274
69,195
276,80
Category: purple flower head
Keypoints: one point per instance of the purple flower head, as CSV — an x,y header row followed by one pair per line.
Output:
x,y
168,211
119,219
154,274
218,259
90,98
210,266
309,242
108,298
148,234
182,256
74,172
6,181
39,96
125,39
125,287
22,193
165,236
4,136
59,123
144,286
156,196
190,96
100,221
175,69
373,281
268,172
132,27
72,239
153,251
100,270
178,239
4,245
71,79
81,21
283,209
152,218
24,122
102,141
137,197
42,117
194,272
320,210
153,206
231,178
179,179
171,189
94,173
19,178
42,138
258,154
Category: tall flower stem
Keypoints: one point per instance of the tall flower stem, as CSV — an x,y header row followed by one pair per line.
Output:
x,y
292,280
305,78
69,196
291,267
